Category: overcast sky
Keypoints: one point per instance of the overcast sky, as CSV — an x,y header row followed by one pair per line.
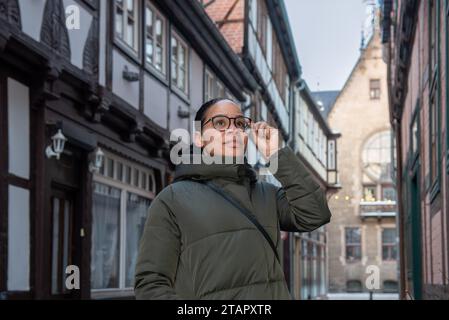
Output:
x,y
327,34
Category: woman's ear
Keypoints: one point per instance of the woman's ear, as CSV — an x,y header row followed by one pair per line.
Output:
x,y
197,139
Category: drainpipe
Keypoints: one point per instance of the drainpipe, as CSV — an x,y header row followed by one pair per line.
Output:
x,y
396,124
402,271
299,84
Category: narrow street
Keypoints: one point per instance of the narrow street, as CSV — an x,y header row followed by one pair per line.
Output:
x,y
334,115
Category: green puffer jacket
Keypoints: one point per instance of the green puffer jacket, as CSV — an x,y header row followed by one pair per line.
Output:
x,y
196,245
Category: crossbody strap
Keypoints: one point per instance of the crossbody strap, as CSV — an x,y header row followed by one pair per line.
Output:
x,y
247,214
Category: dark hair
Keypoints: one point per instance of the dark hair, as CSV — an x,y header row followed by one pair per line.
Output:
x,y
203,109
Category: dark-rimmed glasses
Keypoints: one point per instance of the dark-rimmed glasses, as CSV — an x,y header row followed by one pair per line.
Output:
x,y
222,123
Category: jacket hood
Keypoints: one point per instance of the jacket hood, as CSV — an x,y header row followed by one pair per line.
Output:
x,y
202,171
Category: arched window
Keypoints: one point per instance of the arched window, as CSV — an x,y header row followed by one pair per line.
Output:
x,y
377,168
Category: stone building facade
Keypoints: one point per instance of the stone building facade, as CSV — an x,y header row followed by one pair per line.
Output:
x,y
362,235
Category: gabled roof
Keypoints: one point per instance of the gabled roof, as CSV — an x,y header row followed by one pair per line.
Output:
x,y
325,100
329,97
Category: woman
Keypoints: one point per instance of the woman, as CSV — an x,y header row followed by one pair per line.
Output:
x,y
198,245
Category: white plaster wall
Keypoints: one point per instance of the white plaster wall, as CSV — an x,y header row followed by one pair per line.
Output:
x,y
32,14
19,129
18,239
78,38
128,91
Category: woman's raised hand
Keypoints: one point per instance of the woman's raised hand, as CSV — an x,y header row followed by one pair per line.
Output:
x,y
266,138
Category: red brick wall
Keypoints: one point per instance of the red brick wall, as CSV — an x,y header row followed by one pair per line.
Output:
x,y
233,12
434,216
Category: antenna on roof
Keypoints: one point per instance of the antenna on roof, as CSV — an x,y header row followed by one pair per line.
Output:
x,y
362,40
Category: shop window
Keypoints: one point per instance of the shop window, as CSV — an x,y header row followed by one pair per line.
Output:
x,y
122,194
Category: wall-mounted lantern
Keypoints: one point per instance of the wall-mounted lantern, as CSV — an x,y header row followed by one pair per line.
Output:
x,y
129,75
57,146
183,114
96,160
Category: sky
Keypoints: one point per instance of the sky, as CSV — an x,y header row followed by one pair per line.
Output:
x,y
327,35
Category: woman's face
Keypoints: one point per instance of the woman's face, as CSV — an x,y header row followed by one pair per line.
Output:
x,y
230,142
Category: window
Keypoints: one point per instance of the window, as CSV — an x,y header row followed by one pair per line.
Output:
x,y
354,286
213,88
311,127
323,149
127,23
62,243
331,165
155,51
269,55
376,158
390,286
433,36
305,266
120,204
303,118
316,143
280,74
415,135
388,193
374,89
180,66
378,168
389,249
433,139
353,244
369,193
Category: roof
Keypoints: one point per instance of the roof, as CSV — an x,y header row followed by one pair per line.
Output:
x,y
325,100
328,98
308,97
229,17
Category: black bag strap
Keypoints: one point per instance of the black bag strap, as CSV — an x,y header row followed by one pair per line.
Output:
x,y
247,214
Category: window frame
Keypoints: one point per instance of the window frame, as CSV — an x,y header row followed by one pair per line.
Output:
x,y
367,147
389,245
352,244
156,14
121,41
213,85
375,90
180,41
370,185
388,186
125,190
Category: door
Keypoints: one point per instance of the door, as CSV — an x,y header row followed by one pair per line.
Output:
x,y
64,240
413,236
65,216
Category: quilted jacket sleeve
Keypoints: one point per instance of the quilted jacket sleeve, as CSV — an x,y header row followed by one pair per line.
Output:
x,y
301,202
158,255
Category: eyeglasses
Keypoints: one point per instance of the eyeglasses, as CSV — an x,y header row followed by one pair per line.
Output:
x,y
223,123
